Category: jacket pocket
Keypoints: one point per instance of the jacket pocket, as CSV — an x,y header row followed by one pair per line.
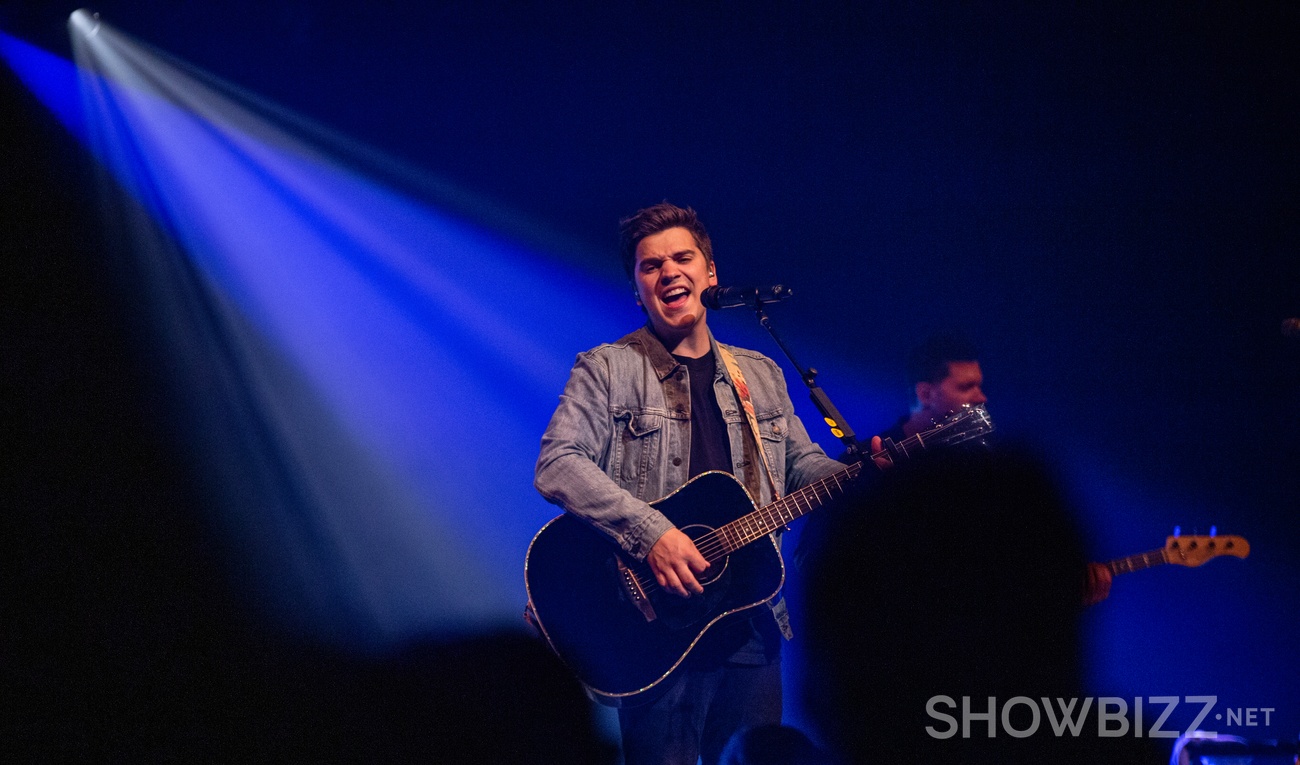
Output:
x,y
773,430
639,444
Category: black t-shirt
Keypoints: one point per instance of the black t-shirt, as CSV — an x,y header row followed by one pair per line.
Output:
x,y
710,446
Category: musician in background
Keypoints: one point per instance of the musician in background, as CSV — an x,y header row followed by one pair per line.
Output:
x,y
954,582
944,374
637,419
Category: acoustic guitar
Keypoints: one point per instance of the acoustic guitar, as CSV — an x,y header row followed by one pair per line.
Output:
x,y
605,615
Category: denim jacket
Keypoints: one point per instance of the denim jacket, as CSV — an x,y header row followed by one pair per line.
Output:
x,y
620,437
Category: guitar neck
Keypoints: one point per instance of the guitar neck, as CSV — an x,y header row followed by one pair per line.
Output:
x,y
1183,551
1137,562
765,520
792,506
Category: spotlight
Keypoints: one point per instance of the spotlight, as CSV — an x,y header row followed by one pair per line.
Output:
x,y
86,20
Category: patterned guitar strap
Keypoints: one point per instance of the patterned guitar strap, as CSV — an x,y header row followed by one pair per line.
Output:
x,y
742,393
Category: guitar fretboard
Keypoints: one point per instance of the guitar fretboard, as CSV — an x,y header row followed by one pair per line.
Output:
x,y
971,423
1136,562
765,520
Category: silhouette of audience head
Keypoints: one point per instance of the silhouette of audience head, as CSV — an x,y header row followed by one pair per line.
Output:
x,y
957,575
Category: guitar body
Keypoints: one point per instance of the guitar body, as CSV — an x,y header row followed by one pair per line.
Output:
x,y
603,612
578,587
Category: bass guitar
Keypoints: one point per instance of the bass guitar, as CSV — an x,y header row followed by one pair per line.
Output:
x,y
603,612
1182,551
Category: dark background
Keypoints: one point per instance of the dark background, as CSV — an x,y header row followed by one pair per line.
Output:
x,y
1104,197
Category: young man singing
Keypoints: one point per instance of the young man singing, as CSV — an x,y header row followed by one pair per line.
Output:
x,y
638,418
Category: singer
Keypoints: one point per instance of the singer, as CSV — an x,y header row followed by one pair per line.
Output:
x,y
637,419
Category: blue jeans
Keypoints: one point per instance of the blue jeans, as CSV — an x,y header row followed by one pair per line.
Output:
x,y
699,713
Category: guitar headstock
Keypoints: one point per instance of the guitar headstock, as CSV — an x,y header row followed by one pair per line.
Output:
x,y
1195,550
965,424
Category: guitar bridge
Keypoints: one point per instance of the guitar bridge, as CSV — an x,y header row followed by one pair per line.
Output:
x,y
635,593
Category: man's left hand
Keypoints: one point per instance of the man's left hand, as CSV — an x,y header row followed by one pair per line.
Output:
x,y
1097,586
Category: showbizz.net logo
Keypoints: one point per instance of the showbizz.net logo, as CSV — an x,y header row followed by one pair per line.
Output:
x,y
1022,716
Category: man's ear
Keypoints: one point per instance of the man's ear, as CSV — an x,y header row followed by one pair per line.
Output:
x,y
713,274
924,394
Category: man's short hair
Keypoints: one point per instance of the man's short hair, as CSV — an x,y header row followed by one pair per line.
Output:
x,y
655,219
928,362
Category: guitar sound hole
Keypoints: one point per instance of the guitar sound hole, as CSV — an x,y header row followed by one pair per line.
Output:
x,y
718,567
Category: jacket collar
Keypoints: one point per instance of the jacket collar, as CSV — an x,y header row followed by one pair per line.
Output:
x,y
662,361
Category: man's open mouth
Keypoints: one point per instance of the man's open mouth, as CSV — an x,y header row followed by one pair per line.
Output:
x,y
675,296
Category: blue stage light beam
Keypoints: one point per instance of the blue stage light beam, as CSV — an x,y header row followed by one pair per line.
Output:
x,y
363,377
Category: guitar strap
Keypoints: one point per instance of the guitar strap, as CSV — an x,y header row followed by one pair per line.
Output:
x,y
742,393
779,611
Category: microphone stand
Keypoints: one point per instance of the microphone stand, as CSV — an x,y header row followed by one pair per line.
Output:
x,y
839,427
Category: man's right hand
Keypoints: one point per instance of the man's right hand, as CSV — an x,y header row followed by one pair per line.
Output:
x,y
675,563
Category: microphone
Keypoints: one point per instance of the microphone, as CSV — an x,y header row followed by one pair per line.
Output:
x,y
1291,327
734,297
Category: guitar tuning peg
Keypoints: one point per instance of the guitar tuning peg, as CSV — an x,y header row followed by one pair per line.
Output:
x,y
1178,531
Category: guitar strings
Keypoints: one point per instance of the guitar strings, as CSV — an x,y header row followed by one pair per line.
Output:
x,y
716,544
726,539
